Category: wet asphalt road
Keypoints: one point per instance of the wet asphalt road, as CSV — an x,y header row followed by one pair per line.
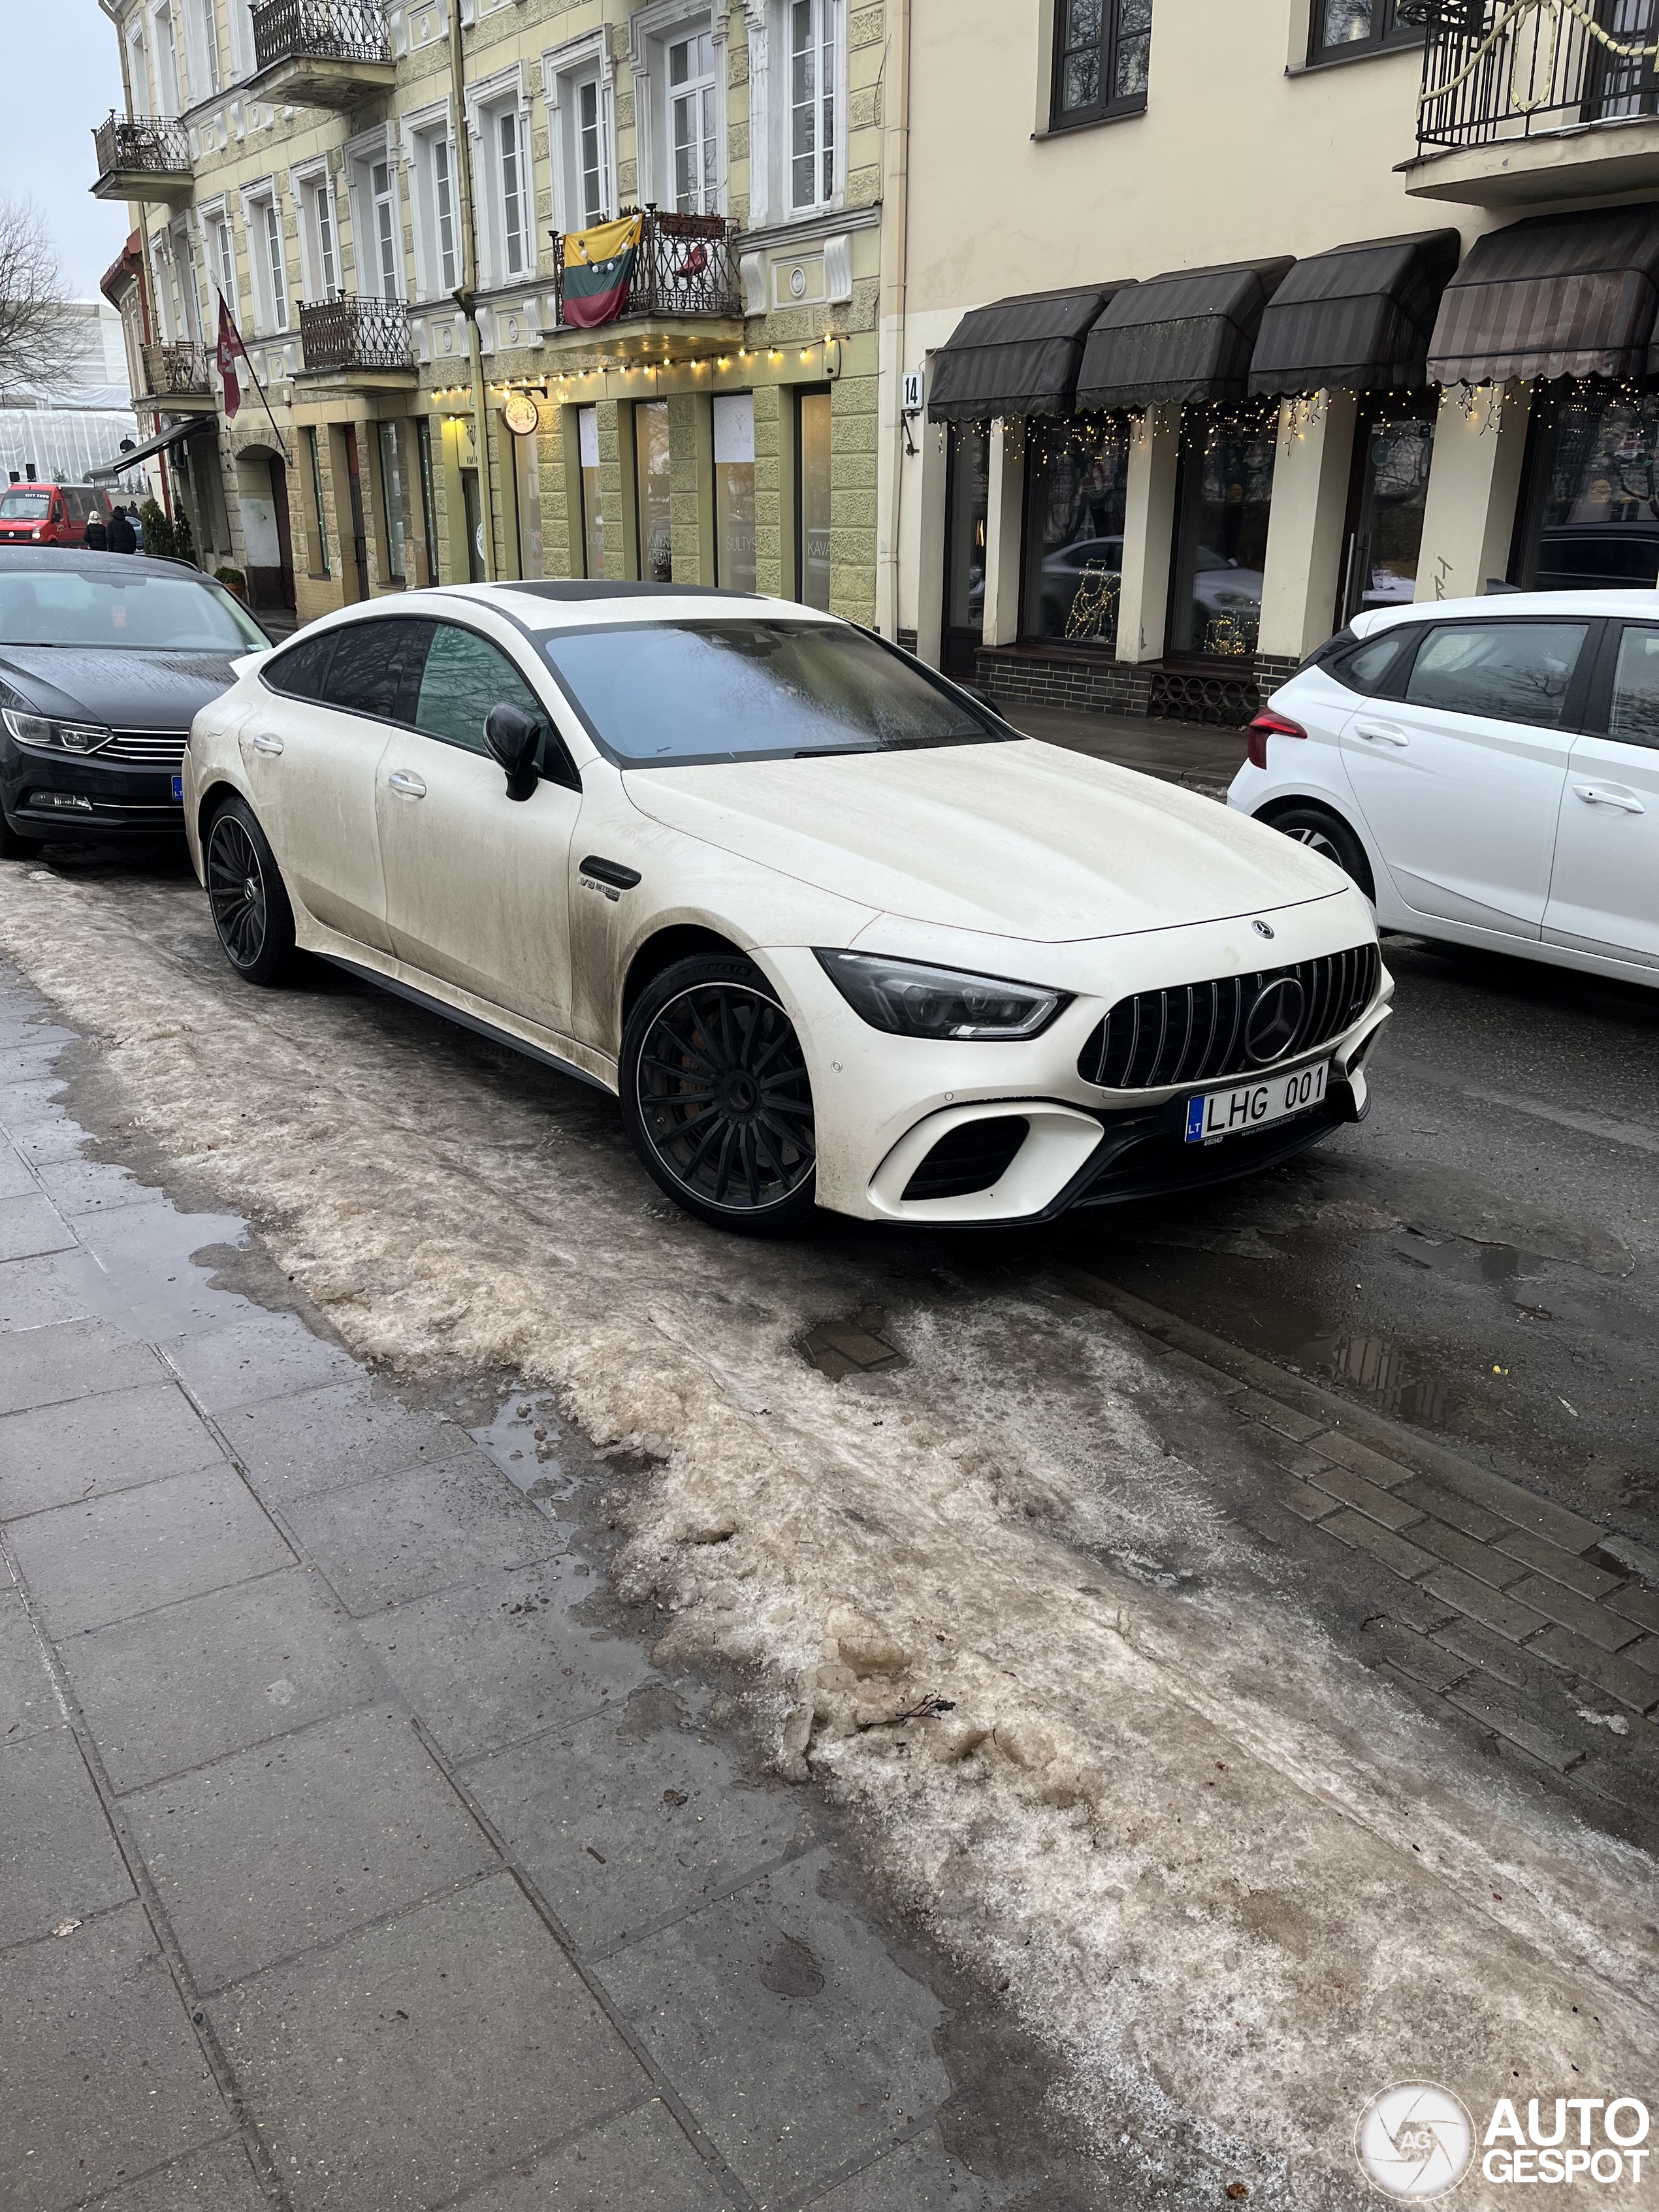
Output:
x,y
1480,1259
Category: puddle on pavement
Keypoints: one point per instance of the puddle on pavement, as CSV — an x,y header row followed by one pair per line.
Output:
x,y
852,1347
1467,1259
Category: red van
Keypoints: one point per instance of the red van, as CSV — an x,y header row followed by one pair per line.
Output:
x,y
50,514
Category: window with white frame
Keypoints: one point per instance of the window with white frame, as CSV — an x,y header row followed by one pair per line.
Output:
x,y
512,180
693,124
380,248
184,272
267,264
582,141
319,247
811,29
139,84
201,49
222,248
437,209
167,62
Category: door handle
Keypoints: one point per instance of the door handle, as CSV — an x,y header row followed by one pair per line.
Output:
x,y
263,741
408,786
1379,733
1598,794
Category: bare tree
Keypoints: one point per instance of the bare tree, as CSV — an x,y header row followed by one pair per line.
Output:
x,y
37,334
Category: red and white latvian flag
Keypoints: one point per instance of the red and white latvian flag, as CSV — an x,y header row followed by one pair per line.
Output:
x,y
230,344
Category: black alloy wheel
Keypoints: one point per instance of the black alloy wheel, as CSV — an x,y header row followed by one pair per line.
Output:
x,y
1329,836
717,1096
250,907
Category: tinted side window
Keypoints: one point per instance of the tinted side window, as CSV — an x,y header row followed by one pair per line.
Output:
x,y
464,677
1633,710
373,663
1369,668
301,671
1511,671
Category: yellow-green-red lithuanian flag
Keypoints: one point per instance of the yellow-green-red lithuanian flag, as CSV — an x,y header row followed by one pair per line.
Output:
x,y
598,268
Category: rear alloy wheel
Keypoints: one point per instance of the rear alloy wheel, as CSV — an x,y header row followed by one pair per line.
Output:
x,y
1329,836
717,1098
245,890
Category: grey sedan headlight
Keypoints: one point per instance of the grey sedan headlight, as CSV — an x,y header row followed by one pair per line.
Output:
x,y
54,737
908,998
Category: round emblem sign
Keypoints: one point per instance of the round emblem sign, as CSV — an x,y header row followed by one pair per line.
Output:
x,y
1273,1020
519,413
1415,2140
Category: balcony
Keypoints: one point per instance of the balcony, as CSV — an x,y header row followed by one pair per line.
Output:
x,y
321,53
1541,100
145,160
364,341
683,295
176,376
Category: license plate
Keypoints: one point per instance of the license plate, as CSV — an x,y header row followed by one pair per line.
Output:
x,y
179,789
1234,1113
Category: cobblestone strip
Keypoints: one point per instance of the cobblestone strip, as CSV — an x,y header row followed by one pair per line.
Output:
x,y
1536,1623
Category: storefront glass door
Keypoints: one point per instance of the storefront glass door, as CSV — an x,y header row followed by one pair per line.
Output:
x,y
655,514
588,448
967,506
1392,448
812,498
1589,508
734,490
1075,476
1225,491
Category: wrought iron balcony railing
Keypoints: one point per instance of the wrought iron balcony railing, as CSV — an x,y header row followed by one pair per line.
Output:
x,y
684,268
153,145
1499,69
176,371
356,333
319,31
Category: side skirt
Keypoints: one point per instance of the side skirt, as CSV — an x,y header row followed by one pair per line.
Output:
x,y
430,1004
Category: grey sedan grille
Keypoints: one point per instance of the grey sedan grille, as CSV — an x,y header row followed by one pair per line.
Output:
x,y
146,748
1196,1032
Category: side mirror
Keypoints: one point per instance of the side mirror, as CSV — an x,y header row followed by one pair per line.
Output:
x,y
513,738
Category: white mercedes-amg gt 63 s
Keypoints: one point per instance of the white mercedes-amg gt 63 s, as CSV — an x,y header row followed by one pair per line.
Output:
x,y
834,933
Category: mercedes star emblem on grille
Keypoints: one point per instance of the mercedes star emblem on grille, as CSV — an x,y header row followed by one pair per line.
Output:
x,y
1273,1020
1262,928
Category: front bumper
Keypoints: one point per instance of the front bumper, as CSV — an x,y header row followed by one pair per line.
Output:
x,y
883,1103
58,795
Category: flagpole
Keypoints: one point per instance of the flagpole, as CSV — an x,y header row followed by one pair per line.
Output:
x,y
281,440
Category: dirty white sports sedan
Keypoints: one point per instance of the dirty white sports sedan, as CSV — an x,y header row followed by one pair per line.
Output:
x,y
834,933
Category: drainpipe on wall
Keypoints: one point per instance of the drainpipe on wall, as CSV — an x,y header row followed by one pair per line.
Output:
x,y
895,261
466,294
111,10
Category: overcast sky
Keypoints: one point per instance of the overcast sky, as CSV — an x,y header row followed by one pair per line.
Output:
x,y
62,76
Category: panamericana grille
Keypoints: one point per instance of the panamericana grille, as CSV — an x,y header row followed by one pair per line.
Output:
x,y
1195,1032
146,748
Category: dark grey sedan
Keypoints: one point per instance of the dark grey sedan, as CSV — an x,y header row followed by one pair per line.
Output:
x,y
104,658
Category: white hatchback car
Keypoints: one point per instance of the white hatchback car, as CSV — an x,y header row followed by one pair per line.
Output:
x,y
1486,770
835,932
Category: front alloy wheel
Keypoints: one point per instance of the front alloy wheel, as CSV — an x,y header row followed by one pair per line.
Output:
x,y
245,890
717,1096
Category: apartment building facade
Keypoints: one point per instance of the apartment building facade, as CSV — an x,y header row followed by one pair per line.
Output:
x,y
1219,324
365,198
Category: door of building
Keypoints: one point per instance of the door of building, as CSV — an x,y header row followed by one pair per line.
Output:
x,y
1393,443
967,509
358,575
284,532
472,515
812,498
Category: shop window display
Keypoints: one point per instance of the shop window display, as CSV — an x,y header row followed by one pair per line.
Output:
x,y
1392,452
1226,487
1075,476
967,512
1590,516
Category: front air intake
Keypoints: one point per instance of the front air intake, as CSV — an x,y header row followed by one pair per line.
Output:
x,y
970,1158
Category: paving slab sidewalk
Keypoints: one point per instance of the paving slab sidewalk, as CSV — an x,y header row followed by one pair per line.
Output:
x,y
344,1861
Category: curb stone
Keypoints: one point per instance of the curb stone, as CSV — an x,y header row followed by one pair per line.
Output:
x,y
1501,1592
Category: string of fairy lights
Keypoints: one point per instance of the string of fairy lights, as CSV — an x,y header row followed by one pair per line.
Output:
x,y
565,385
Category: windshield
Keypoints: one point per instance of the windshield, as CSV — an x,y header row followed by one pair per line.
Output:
x,y
24,506
687,692
138,613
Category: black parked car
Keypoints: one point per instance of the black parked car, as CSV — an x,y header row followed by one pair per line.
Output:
x,y
104,658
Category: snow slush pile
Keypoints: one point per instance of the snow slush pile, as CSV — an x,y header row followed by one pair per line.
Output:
x,y
1236,1880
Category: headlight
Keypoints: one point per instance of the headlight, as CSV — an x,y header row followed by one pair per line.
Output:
x,y
908,998
40,730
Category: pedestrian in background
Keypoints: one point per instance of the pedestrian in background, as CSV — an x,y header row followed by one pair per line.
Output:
x,y
97,533
122,536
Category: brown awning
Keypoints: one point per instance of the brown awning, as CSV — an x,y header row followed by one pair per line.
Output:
x,y
1018,356
1555,296
1356,318
1186,336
